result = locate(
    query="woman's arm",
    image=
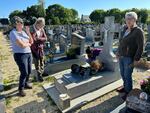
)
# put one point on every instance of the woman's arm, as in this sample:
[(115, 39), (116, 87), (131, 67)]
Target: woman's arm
[(29, 34), (22, 44)]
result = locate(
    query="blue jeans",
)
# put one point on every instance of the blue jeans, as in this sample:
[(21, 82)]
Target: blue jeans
[(24, 62), (126, 71)]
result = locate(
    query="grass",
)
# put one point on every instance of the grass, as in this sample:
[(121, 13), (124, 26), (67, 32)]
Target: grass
[(8, 81), (8, 101), (50, 79)]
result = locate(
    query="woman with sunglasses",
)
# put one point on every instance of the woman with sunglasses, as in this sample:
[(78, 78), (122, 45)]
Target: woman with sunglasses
[(21, 42)]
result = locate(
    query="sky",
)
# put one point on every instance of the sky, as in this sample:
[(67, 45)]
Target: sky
[(82, 6)]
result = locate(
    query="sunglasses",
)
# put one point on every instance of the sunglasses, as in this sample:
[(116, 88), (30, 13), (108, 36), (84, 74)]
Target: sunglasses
[(19, 22)]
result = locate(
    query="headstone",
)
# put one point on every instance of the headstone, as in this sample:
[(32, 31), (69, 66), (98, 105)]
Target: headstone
[(107, 55), (148, 28), (69, 31), (78, 41), (90, 35), (63, 43)]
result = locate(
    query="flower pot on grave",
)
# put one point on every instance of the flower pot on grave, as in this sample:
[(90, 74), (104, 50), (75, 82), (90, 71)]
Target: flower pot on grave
[(136, 103)]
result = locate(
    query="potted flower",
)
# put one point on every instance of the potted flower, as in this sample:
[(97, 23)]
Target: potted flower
[(145, 85)]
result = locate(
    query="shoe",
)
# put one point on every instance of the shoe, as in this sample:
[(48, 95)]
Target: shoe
[(121, 89), (28, 86), (124, 97), (44, 75), (21, 93)]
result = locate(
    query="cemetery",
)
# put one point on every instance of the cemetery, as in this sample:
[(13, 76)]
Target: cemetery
[(76, 79)]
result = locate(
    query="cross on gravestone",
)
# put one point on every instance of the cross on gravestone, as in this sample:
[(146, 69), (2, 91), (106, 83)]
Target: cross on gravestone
[(107, 55)]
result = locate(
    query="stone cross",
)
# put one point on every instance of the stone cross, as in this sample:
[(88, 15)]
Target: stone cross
[(107, 55)]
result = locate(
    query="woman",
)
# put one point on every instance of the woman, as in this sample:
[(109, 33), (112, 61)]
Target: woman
[(21, 42), (129, 51), (39, 38)]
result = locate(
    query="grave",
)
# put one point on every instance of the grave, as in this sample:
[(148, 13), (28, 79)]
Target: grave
[(90, 35), (148, 29), (61, 62), (70, 91), (2, 98)]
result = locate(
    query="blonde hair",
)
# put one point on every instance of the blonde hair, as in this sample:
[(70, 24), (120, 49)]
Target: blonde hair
[(40, 21)]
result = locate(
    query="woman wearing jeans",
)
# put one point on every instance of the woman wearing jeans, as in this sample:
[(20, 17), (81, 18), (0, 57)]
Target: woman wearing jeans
[(129, 51), (21, 42)]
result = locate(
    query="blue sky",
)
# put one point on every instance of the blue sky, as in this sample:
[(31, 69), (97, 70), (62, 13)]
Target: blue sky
[(82, 6)]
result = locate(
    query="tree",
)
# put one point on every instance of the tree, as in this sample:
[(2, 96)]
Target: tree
[(98, 16), (116, 13), (15, 13), (64, 15)]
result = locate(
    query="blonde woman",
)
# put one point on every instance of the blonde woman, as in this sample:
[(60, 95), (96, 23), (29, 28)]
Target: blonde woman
[(39, 38)]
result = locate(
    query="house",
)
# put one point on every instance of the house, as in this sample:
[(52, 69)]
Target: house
[(85, 18)]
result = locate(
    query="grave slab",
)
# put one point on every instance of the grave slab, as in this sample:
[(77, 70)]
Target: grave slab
[(82, 100)]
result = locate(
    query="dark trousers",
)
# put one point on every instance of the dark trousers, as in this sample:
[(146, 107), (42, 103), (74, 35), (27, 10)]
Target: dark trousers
[(24, 62), (39, 64), (126, 72)]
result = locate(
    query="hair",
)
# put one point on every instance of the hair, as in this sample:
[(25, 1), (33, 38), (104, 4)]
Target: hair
[(15, 20), (132, 15), (40, 20)]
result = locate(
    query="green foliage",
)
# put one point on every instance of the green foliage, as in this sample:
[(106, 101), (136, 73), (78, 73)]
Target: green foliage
[(60, 15), (57, 14), (71, 53), (98, 16)]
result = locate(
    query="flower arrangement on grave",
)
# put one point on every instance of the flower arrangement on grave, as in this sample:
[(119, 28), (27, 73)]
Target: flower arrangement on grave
[(145, 85)]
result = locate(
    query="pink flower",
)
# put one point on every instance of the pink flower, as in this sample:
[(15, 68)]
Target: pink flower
[(143, 82)]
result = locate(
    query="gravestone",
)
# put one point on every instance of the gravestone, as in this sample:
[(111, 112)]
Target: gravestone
[(69, 31), (148, 28), (78, 41), (107, 55), (63, 43), (90, 35)]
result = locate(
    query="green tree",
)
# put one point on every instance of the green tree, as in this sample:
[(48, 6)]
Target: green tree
[(64, 15), (116, 13), (15, 13), (98, 16)]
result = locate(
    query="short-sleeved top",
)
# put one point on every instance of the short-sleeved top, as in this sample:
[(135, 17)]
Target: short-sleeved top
[(14, 35)]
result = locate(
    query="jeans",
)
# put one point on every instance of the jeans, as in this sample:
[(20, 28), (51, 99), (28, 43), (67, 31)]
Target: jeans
[(126, 71), (24, 62)]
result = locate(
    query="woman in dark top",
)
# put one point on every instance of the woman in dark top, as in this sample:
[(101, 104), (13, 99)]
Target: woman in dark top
[(129, 51)]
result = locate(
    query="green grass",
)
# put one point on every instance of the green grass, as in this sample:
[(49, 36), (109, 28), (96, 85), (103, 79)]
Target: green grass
[(8, 101), (50, 79), (8, 81)]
